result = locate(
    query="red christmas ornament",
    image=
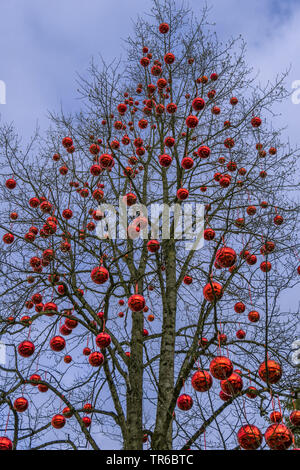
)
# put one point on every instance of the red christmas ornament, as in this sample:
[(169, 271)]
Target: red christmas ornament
[(221, 367), (253, 316), (35, 378), (187, 280), (21, 404), (153, 246), (274, 371), (265, 266), (86, 421), (192, 121), (252, 392), (165, 160), (295, 418), (129, 199), (240, 334), (182, 194), (232, 385), (278, 437), (187, 163), (249, 437), (164, 28), (5, 443), (10, 183), (276, 417), (57, 343), (256, 122), (209, 234), (96, 359), (99, 275), (203, 151), (58, 421), (202, 381), (240, 307), (213, 291), (226, 257), (26, 348), (136, 303), (184, 402), (198, 104), (103, 340)]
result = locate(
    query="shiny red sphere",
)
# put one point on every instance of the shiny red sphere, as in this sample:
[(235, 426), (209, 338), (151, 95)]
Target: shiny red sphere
[(5, 443), (26, 348), (58, 421), (278, 437), (99, 275), (21, 404), (57, 343), (232, 385), (249, 437), (96, 359), (202, 381), (213, 291), (103, 340), (184, 402), (136, 303), (221, 367), (274, 371)]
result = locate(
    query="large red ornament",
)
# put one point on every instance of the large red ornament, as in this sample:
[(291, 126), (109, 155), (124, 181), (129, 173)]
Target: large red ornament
[(165, 160), (226, 257), (26, 348), (10, 183), (221, 367), (274, 371), (278, 437), (182, 194), (213, 291), (256, 122), (58, 421), (164, 28), (232, 385), (136, 303), (192, 121), (276, 417), (184, 402), (204, 151), (202, 381), (249, 437), (99, 275), (198, 104), (57, 343), (21, 404)]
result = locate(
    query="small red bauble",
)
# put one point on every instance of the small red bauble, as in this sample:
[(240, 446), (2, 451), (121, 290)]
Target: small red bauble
[(184, 402), (58, 421), (164, 28), (274, 371), (256, 122), (201, 381), (187, 280), (182, 194), (251, 392), (165, 160), (35, 378), (198, 104), (10, 183), (192, 121), (240, 334), (203, 151), (86, 421), (136, 303), (26, 348), (86, 351), (129, 199), (239, 307), (221, 367), (249, 437), (209, 234), (278, 437), (187, 163), (153, 246), (276, 417)]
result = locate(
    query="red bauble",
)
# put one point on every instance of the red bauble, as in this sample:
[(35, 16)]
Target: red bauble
[(8, 238), (295, 418), (10, 183), (86, 421), (201, 381), (249, 437), (265, 266), (21, 404), (256, 122), (213, 291), (153, 246), (203, 151), (276, 417), (198, 104), (165, 160), (192, 121), (136, 303), (58, 421), (5, 443), (278, 220), (129, 199), (221, 367), (96, 359), (64, 330), (103, 340), (86, 351), (57, 343), (209, 234), (187, 163), (164, 28), (278, 437), (43, 388), (240, 334), (187, 280), (99, 275), (67, 412), (169, 58), (239, 307), (253, 316), (106, 160), (26, 348), (50, 308), (226, 257), (224, 396), (35, 378), (252, 392), (232, 385), (182, 194), (185, 402), (68, 359), (274, 371)]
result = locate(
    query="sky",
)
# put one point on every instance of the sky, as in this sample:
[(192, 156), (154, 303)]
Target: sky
[(44, 44)]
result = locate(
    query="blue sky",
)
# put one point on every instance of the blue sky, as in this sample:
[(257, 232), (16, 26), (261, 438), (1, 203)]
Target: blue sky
[(44, 44)]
